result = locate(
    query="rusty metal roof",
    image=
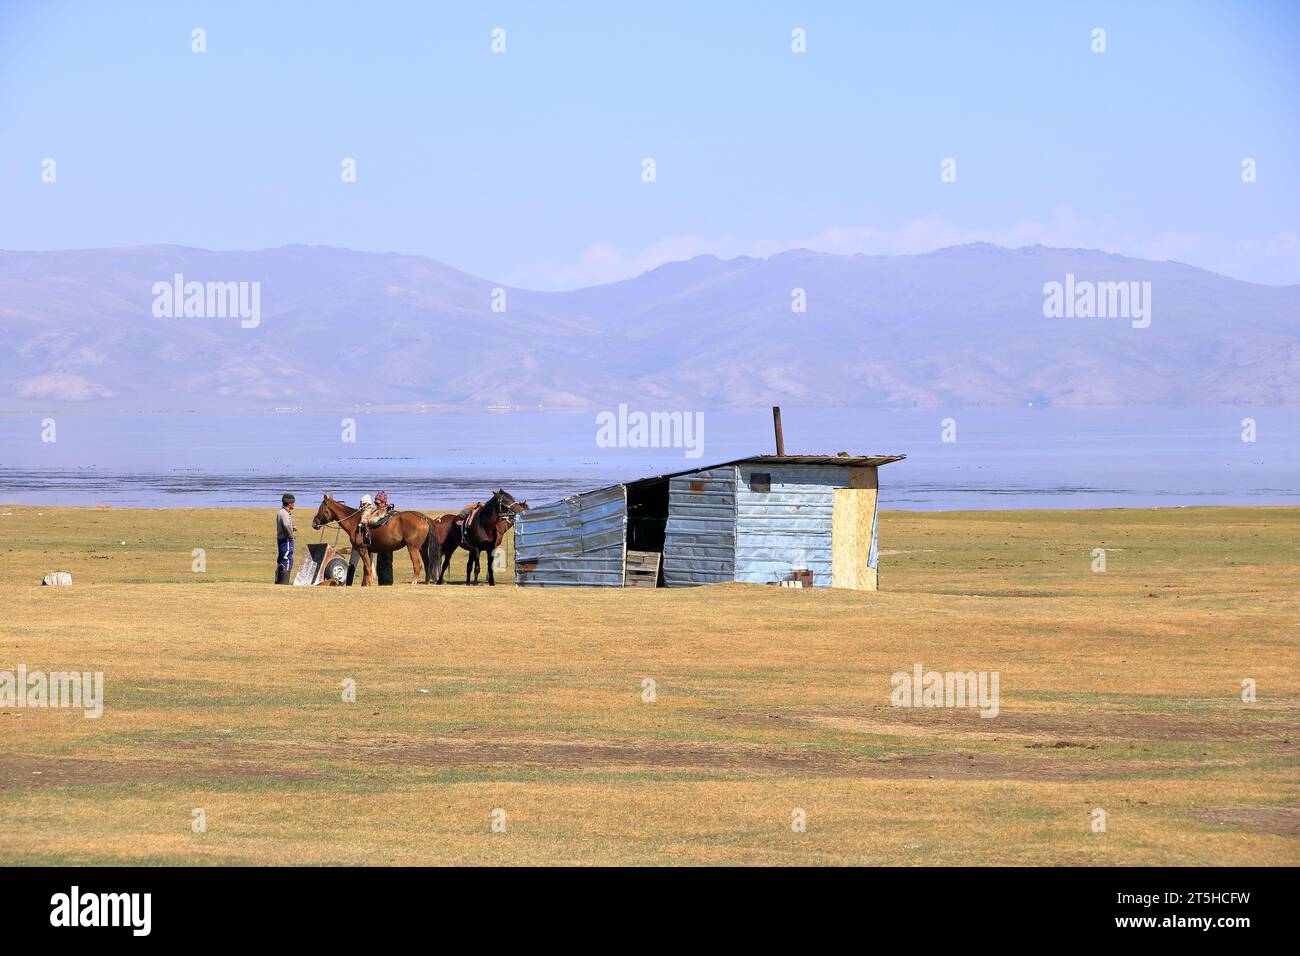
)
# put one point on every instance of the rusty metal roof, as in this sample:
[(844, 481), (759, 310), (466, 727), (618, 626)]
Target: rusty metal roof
[(856, 461), (847, 461)]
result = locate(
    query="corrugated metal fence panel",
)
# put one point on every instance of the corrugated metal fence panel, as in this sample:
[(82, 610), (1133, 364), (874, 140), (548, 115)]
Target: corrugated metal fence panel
[(575, 542), (788, 527), (548, 530), (603, 520), (700, 539)]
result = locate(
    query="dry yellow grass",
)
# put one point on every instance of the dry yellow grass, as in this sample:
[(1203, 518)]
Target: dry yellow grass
[(1119, 691)]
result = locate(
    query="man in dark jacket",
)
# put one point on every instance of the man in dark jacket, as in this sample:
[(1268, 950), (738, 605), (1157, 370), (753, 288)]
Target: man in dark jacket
[(284, 541)]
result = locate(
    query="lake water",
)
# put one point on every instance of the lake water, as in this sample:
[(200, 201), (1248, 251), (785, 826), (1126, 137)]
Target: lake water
[(1001, 458)]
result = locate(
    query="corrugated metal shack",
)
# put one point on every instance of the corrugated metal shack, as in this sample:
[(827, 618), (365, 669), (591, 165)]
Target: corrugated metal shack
[(759, 519)]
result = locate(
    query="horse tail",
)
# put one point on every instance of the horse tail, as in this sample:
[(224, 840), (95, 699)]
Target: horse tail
[(429, 550)]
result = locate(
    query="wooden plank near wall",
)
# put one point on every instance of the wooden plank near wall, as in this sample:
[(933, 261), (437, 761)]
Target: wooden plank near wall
[(641, 569), (854, 513)]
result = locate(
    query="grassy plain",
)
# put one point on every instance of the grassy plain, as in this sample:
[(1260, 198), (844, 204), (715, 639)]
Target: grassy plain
[(1120, 691)]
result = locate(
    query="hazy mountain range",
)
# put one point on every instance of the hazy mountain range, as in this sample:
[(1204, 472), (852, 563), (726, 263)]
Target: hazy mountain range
[(961, 326)]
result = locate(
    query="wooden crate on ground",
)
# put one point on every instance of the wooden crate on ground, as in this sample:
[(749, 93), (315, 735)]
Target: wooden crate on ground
[(641, 569)]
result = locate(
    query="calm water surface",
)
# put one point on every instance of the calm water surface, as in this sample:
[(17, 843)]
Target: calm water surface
[(1001, 458)]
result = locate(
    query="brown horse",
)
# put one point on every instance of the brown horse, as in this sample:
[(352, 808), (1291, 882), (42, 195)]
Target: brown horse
[(477, 528), (403, 528)]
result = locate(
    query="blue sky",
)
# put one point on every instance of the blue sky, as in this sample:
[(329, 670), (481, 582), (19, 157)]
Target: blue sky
[(525, 166)]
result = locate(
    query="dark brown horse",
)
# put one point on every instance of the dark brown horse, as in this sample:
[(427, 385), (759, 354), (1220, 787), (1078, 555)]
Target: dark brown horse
[(408, 529), (477, 528)]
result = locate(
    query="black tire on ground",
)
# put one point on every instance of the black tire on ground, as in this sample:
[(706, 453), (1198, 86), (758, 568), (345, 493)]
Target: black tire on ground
[(337, 570)]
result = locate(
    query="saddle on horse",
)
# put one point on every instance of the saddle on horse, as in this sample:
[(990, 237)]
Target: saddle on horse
[(466, 517)]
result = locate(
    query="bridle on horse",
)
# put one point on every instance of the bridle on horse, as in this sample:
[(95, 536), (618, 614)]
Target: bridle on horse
[(338, 521), (504, 510)]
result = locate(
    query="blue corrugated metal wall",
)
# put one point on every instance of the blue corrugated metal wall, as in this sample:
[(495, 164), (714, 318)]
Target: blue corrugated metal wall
[(575, 542), (700, 541), (788, 527), (719, 529)]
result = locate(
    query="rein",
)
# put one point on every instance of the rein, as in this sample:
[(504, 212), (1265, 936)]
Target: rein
[(339, 522)]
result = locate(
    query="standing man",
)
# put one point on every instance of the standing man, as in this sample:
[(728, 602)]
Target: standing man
[(284, 541)]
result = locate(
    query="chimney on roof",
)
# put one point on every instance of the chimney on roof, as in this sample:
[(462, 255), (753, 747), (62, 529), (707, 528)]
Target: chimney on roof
[(780, 436)]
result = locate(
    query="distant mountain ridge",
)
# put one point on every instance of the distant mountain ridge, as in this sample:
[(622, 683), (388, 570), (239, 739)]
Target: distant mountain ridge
[(957, 327)]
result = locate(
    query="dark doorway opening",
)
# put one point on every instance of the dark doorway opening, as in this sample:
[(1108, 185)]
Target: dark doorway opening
[(647, 525), (647, 515)]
